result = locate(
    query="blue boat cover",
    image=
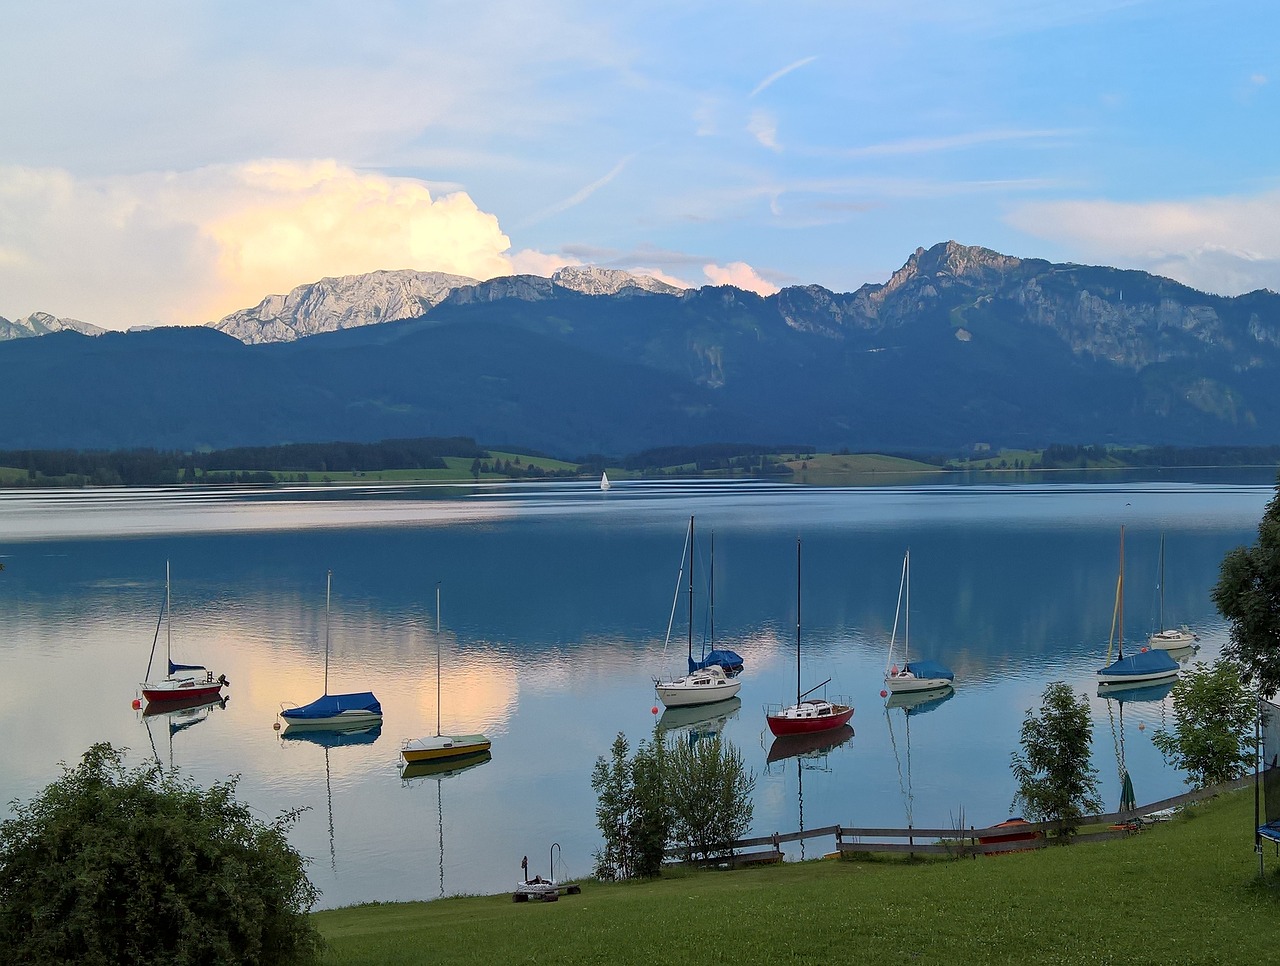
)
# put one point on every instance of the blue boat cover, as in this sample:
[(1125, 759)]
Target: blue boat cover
[(930, 669), (1144, 662), (731, 661), (186, 667), (334, 704)]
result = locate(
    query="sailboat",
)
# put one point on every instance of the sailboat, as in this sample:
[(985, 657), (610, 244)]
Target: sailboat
[(604, 480), (183, 682), (353, 710), (703, 684), (1169, 638), (807, 715), (440, 747), (916, 675), (1145, 667)]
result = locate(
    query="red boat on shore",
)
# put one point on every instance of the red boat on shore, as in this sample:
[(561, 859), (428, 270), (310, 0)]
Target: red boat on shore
[(808, 715)]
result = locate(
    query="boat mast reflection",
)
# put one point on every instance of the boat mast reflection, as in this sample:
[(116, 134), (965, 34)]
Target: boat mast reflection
[(811, 753), (413, 773), (178, 716), (365, 735)]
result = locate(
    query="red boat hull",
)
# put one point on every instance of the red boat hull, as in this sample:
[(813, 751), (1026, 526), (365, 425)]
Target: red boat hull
[(176, 695), (781, 725)]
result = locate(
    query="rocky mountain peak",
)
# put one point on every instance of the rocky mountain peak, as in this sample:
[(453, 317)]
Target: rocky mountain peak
[(345, 302), (590, 280), (42, 323)]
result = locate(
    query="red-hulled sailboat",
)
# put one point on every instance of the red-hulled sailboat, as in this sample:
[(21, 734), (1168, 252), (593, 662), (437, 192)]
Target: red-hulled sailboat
[(183, 682), (808, 715)]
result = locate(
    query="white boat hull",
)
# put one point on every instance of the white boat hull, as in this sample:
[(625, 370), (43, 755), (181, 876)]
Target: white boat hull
[(344, 720), (696, 689), (1173, 639), (907, 683), (1126, 680)]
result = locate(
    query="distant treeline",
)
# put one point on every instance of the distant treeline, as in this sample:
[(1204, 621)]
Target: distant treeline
[(713, 456), (259, 464), (1059, 456), (255, 464)]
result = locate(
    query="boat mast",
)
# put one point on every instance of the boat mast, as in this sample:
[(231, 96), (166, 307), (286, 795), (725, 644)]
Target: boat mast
[(437, 659), (906, 625), (168, 626), (328, 584), (711, 594), (798, 621), (690, 591), (1120, 599), (1160, 581)]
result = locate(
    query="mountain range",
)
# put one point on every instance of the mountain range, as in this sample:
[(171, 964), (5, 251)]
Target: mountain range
[(960, 346)]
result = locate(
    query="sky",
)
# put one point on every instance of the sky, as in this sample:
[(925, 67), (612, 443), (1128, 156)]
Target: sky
[(171, 163)]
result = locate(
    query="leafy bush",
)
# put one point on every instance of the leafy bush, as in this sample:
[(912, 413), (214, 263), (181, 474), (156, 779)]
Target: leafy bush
[(111, 865), (709, 791), (1056, 783), (631, 809)]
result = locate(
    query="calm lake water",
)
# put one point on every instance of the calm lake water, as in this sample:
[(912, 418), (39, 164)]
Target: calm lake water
[(555, 605)]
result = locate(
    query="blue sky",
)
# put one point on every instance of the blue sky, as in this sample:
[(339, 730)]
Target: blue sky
[(175, 162)]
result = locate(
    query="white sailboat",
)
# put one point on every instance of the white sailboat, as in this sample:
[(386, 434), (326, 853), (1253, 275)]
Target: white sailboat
[(1169, 638), (911, 675), (604, 481), (701, 685), (440, 747)]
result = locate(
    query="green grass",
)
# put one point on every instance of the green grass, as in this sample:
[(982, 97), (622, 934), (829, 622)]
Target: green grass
[(835, 469), (1183, 892)]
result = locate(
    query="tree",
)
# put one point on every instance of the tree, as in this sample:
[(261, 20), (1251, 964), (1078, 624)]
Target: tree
[(1212, 739), (710, 791), (1056, 782), (631, 809), (111, 865), (1248, 596)]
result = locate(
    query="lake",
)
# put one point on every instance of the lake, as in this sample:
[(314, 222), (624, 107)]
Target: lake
[(556, 600)]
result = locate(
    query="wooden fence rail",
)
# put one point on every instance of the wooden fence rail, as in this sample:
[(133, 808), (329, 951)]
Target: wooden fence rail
[(955, 842)]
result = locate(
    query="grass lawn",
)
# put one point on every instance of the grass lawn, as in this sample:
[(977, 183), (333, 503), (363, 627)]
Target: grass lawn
[(1182, 892)]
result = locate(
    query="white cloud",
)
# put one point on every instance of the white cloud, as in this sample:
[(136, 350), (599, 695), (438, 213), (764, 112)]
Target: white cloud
[(763, 126), (777, 74), (740, 275), (189, 247), (1224, 245)]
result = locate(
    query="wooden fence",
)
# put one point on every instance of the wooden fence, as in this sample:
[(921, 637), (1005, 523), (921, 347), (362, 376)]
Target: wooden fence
[(952, 842)]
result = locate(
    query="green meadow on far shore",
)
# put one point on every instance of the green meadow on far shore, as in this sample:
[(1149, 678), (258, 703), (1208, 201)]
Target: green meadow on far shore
[(1185, 891)]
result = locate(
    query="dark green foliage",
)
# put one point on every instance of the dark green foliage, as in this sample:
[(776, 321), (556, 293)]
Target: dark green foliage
[(1248, 596), (1213, 734), (111, 865), (1056, 783), (709, 791), (631, 809)]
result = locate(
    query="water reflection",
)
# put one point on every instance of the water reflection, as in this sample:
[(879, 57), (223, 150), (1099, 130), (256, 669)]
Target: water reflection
[(428, 772), (558, 600), (701, 720)]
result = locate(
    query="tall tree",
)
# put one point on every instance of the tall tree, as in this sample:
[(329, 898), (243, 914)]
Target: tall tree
[(1212, 739), (1056, 782), (1248, 596)]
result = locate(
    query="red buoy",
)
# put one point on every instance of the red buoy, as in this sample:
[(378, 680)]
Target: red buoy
[(137, 703), (884, 694), (654, 709)]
